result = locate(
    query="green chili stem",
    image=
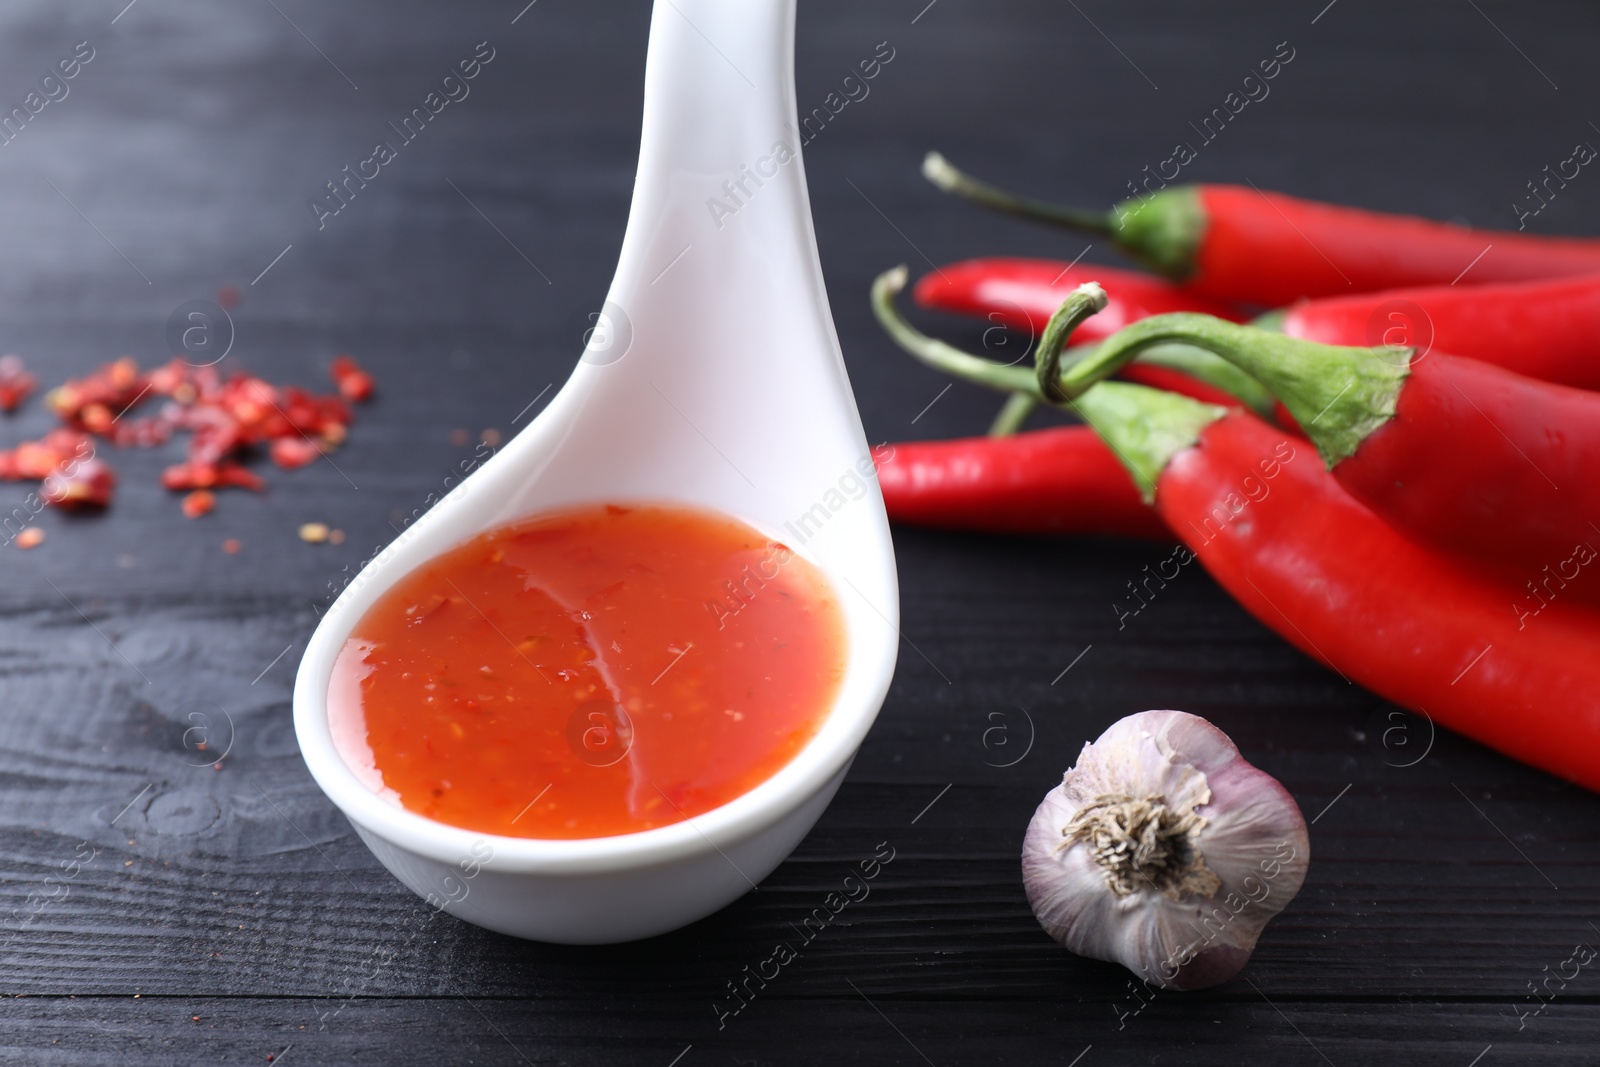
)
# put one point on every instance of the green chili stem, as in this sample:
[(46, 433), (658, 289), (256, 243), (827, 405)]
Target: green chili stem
[(1009, 419), (1121, 348), (1082, 302), (936, 353), (1023, 384), (1338, 394), (1208, 367), (942, 173), (1271, 320), (1145, 427)]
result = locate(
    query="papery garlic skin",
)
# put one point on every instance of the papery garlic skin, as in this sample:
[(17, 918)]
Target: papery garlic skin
[(1229, 852)]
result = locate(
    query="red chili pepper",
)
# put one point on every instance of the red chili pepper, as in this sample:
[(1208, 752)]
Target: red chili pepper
[(1545, 329), (16, 384), (1424, 629), (1335, 580), (1238, 243), (1457, 452), (1022, 294), (1062, 480)]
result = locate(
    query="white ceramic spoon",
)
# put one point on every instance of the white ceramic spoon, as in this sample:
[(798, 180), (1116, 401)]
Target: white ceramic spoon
[(714, 378)]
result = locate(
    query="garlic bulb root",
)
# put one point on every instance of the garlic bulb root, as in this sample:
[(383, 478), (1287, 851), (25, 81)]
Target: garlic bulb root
[(1143, 842), (1164, 850)]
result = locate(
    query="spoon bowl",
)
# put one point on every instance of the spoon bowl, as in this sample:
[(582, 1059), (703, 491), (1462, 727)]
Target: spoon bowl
[(713, 378)]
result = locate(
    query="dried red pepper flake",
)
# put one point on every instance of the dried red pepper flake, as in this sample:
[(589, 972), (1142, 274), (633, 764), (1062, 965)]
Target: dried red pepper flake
[(166, 381), (16, 384), (82, 483), (189, 476), (300, 414), (65, 400), (231, 546), (96, 418), (333, 409), (220, 475), (141, 433), (237, 476), (354, 384), (254, 405), (93, 402), (291, 453), (35, 460), (228, 297), (123, 373), (226, 418), (30, 537), (13, 396), (199, 502)]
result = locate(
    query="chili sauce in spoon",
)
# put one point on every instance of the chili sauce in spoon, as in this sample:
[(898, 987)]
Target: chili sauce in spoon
[(589, 672)]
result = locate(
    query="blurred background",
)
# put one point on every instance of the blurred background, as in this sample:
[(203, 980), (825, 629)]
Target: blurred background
[(237, 904)]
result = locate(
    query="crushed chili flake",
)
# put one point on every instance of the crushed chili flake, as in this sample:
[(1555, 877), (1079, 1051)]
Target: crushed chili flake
[(199, 502), (293, 452), (314, 533), (459, 437), (231, 546), (354, 383), (193, 475), (16, 384), (228, 419), (100, 397), (490, 437), (336, 537), (140, 433), (30, 537), (34, 461), (86, 483), (228, 298)]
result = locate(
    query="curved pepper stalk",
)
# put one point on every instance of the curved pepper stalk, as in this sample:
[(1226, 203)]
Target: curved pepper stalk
[(1191, 360)]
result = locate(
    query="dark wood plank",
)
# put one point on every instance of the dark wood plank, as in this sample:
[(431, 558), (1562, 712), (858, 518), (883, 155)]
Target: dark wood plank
[(1207, 1031)]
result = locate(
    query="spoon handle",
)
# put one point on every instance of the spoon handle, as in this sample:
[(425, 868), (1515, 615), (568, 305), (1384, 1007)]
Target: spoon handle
[(719, 236)]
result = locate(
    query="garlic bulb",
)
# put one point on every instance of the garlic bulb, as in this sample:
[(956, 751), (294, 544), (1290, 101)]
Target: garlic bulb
[(1163, 850)]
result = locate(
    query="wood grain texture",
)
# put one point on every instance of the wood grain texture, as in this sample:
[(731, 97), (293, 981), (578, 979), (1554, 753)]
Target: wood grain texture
[(141, 886)]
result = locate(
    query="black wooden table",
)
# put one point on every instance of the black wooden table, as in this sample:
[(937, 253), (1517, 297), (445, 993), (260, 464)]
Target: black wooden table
[(159, 909)]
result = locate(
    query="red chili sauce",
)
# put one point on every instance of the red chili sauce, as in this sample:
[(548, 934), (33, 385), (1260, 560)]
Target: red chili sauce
[(589, 672)]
